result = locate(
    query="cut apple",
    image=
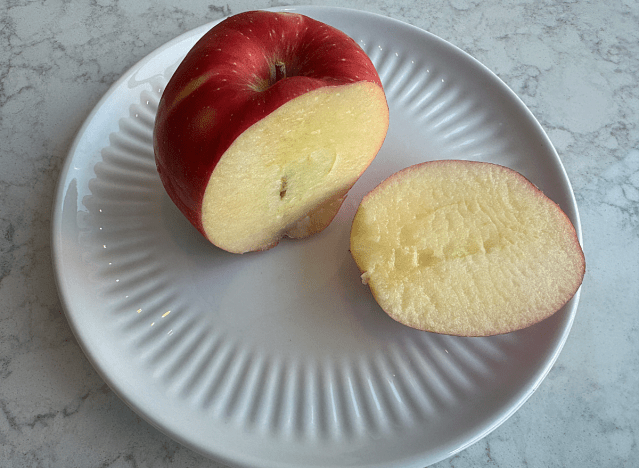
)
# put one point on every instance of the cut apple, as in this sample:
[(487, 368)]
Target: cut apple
[(465, 248), (265, 126)]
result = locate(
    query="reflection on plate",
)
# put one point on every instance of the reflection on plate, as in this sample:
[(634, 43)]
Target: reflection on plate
[(282, 358)]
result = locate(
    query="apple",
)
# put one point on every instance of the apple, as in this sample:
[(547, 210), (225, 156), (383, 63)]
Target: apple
[(465, 248), (265, 126)]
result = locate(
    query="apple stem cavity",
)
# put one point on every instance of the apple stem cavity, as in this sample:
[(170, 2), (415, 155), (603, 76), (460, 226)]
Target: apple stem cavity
[(280, 71)]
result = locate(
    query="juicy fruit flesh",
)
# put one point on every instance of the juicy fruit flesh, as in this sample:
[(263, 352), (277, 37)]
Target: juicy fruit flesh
[(303, 157), (465, 248)]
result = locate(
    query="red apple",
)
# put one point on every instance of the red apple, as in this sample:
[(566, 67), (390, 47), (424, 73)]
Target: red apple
[(265, 126)]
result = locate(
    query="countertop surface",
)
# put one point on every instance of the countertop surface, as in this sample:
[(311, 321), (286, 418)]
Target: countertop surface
[(574, 64)]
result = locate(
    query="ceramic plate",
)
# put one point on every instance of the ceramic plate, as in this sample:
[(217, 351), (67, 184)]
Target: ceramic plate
[(282, 358)]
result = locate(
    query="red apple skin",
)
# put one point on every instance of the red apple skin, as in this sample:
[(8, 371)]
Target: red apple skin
[(229, 81)]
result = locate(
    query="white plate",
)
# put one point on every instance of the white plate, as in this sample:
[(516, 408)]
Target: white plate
[(282, 358)]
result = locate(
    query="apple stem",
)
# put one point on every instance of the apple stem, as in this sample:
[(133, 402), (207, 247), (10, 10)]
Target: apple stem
[(280, 71)]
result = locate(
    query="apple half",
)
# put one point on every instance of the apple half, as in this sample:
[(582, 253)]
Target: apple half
[(265, 126), (465, 248)]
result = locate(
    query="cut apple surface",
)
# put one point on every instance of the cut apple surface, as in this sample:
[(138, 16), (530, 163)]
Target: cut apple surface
[(465, 248), (265, 126), (294, 166)]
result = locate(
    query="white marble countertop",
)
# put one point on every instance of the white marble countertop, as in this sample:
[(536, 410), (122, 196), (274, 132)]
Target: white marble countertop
[(575, 64)]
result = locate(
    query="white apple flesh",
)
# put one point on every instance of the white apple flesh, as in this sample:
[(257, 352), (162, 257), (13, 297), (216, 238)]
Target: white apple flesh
[(265, 126), (465, 248)]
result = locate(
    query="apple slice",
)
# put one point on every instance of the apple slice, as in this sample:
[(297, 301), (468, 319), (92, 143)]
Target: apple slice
[(265, 126), (465, 248)]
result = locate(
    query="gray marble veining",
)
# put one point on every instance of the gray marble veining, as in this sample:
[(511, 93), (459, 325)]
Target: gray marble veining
[(574, 64)]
